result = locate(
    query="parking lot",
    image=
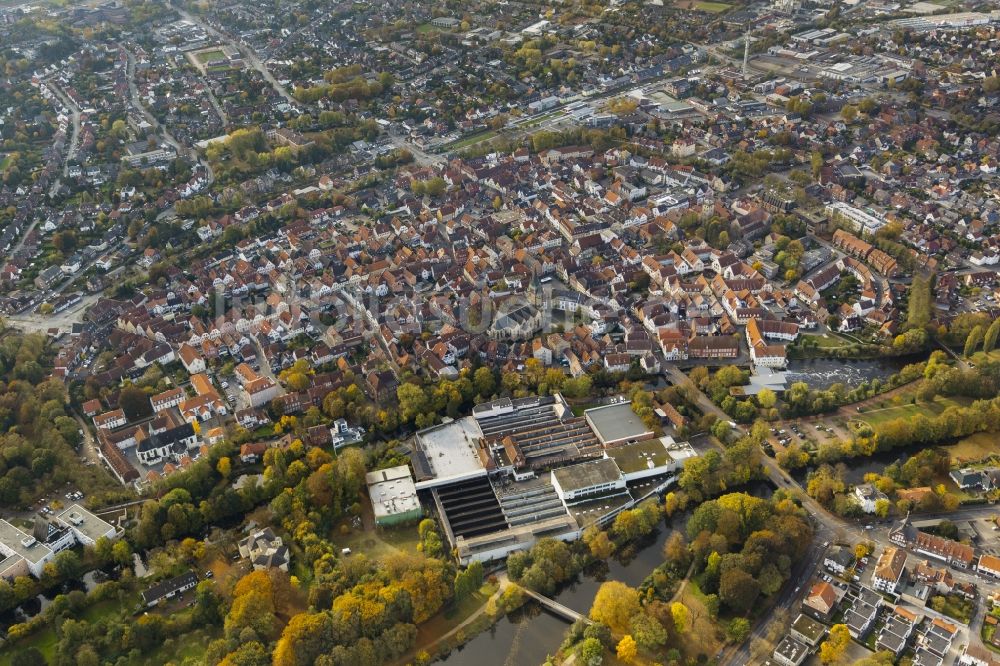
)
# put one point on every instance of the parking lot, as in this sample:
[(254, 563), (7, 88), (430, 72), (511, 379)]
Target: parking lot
[(46, 507)]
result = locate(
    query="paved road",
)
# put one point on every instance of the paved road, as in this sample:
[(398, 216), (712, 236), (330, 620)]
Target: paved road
[(248, 55), (74, 140), (20, 242), (32, 322), (529, 125), (214, 101), (829, 528), (162, 131), (89, 446), (420, 156)]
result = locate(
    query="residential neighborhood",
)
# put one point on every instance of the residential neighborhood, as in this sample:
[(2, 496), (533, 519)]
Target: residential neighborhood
[(500, 332)]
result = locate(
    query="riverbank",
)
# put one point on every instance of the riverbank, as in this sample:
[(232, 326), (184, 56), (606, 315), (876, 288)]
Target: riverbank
[(530, 634)]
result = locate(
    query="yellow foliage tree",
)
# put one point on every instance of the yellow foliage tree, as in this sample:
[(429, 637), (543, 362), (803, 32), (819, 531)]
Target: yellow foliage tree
[(627, 649), (615, 605), (682, 617), (834, 648)]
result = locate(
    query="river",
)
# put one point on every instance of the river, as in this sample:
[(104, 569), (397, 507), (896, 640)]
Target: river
[(822, 373), (531, 634)]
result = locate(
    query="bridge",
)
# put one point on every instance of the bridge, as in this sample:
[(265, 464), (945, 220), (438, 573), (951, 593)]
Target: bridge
[(557, 607)]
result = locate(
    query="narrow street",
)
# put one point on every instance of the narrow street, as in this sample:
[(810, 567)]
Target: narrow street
[(420, 156), (20, 242), (74, 140), (31, 322), (151, 119), (218, 107), (89, 446), (829, 528), (247, 54)]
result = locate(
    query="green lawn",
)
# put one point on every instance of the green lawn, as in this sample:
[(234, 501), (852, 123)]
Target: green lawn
[(427, 28), (972, 448), (190, 646), (822, 341), (470, 140), (107, 608), (380, 542), (879, 415), (578, 410), (208, 56), (43, 641), (713, 7), (982, 357)]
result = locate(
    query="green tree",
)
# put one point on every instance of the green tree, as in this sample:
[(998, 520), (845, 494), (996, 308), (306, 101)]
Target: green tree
[(412, 401), (134, 402), (990, 339), (738, 630), (590, 652), (648, 632), (816, 162), (121, 552), (918, 311), (974, 340), (484, 382)]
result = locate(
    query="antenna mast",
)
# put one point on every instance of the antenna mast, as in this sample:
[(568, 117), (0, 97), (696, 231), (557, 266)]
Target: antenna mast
[(746, 53)]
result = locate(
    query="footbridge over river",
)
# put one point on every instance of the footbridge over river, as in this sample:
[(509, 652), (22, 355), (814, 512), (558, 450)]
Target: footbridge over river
[(557, 607)]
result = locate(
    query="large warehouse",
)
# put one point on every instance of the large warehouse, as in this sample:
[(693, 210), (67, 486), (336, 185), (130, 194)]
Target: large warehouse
[(518, 470)]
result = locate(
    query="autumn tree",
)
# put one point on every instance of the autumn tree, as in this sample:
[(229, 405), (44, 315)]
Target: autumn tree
[(252, 607), (305, 638), (834, 648), (766, 398), (615, 604), (676, 552), (627, 649), (738, 590), (681, 616), (599, 543)]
